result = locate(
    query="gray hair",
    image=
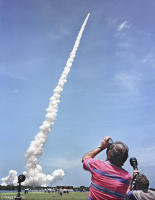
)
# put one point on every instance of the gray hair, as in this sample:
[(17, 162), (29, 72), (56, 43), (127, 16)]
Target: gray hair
[(118, 153)]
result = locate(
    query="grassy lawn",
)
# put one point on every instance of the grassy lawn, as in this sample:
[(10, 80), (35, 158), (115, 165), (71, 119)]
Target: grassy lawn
[(47, 196)]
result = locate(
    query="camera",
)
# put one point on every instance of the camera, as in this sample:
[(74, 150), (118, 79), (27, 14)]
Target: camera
[(109, 143), (134, 164)]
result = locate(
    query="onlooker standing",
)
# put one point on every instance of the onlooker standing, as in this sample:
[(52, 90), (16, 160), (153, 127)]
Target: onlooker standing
[(141, 189), (109, 180)]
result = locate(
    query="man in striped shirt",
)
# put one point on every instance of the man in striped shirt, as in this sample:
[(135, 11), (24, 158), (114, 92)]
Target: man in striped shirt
[(109, 180)]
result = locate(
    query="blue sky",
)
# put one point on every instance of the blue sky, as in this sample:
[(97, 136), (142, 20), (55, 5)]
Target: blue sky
[(110, 89)]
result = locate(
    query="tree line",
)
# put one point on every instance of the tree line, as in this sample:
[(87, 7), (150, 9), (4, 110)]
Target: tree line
[(11, 187)]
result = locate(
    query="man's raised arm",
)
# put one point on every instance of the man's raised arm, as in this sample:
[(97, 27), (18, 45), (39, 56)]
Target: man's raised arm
[(96, 151)]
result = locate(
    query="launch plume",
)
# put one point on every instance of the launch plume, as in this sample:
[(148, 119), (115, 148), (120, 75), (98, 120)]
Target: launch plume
[(34, 173), (11, 179)]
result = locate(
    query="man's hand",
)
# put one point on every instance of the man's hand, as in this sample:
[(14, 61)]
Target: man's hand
[(104, 142), (96, 151), (135, 172)]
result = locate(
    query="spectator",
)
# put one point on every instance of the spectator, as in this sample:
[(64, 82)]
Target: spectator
[(60, 192), (141, 189), (108, 179)]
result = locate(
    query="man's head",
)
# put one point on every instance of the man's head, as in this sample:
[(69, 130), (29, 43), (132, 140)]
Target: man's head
[(118, 153), (142, 183)]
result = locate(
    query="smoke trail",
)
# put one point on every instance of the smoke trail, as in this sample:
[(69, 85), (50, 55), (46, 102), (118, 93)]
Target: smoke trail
[(36, 147), (34, 174)]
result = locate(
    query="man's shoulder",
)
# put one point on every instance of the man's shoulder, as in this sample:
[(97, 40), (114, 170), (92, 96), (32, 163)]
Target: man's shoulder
[(150, 194), (88, 163), (94, 162)]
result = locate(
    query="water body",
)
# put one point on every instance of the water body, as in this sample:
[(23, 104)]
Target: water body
[(9, 191)]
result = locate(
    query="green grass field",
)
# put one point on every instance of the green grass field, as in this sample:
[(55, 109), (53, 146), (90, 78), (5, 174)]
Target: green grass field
[(46, 196)]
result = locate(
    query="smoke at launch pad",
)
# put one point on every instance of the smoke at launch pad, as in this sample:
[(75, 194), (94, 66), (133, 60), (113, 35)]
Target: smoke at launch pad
[(34, 174)]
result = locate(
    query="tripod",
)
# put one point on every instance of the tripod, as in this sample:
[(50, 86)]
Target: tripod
[(21, 178)]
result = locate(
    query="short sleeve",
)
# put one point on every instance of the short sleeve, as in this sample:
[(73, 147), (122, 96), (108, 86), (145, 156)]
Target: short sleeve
[(86, 163), (89, 163)]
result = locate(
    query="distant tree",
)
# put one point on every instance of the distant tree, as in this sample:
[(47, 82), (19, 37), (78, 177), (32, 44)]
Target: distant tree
[(83, 188)]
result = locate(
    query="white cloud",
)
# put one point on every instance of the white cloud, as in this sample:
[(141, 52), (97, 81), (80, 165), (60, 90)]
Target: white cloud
[(129, 81), (123, 25), (115, 23)]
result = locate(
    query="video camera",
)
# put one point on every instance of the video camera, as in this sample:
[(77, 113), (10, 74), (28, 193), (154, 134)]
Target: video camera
[(134, 164)]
